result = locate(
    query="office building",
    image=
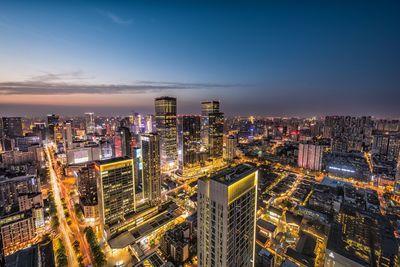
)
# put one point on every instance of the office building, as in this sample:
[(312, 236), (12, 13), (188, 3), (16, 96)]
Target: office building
[(189, 142), (151, 175), (310, 156), (12, 126), (165, 108), (226, 217), (89, 123), (115, 190), (212, 128)]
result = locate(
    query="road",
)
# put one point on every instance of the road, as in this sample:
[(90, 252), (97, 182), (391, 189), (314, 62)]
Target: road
[(63, 228), (75, 227)]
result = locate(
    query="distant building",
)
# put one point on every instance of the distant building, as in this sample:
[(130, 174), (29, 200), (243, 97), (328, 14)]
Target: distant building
[(125, 138), (386, 144), (116, 190), (68, 134), (310, 156), (12, 126), (212, 128), (230, 147), (226, 217), (151, 174), (188, 142), (52, 122), (150, 124), (349, 133), (165, 108), (89, 123)]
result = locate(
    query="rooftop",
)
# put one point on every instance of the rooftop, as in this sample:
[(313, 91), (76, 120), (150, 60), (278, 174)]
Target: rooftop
[(231, 175), (112, 160)]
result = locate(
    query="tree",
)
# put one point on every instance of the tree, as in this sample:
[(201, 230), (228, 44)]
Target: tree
[(55, 222), (98, 254), (78, 211), (61, 257)]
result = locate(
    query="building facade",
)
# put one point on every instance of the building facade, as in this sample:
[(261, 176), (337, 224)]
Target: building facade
[(212, 124), (165, 108), (89, 123), (226, 217), (151, 174), (116, 190), (189, 142), (310, 156)]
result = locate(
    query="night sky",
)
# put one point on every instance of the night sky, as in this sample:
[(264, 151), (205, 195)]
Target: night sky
[(274, 58)]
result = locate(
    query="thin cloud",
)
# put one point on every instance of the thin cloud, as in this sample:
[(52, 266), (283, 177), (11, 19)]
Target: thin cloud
[(63, 88), (115, 18), (60, 77)]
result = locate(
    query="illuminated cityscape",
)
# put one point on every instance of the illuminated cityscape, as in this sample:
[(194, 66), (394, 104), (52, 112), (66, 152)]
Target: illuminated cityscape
[(199, 134)]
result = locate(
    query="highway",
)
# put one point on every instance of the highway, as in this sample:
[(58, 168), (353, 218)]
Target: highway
[(63, 228)]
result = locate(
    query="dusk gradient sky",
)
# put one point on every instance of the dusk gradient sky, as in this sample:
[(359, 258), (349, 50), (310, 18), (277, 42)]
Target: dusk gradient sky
[(285, 58)]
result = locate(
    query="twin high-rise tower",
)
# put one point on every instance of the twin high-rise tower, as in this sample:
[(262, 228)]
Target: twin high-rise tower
[(211, 129)]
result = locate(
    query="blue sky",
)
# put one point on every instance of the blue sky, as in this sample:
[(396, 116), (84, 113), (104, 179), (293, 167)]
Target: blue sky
[(267, 58)]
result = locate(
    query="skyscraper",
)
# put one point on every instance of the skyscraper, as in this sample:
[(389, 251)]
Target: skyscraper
[(89, 123), (188, 141), (68, 135), (166, 128), (212, 128), (226, 217), (149, 127), (52, 122), (116, 191), (125, 136), (87, 184), (151, 174), (310, 156)]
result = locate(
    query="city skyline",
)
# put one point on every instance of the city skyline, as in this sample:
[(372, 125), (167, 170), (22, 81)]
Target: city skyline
[(199, 133), (272, 59)]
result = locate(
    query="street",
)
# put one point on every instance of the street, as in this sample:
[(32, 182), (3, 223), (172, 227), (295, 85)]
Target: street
[(63, 228)]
